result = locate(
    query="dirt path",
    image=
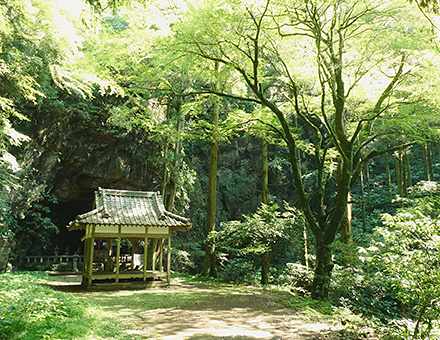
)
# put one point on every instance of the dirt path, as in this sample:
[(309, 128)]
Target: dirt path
[(196, 311)]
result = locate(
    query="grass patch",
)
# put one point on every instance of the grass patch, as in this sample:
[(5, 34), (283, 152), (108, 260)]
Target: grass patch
[(141, 300), (310, 307), (32, 311)]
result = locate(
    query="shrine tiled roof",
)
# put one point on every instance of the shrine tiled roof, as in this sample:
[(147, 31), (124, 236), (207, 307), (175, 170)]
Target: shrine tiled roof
[(123, 207)]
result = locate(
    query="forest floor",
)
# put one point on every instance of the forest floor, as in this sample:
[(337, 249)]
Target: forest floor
[(212, 311)]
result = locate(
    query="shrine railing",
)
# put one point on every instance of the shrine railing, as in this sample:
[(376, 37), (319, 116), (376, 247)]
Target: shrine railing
[(54, 258)]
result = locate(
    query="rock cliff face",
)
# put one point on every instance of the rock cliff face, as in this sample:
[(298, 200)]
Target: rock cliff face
[(75, 150), (114, 162)]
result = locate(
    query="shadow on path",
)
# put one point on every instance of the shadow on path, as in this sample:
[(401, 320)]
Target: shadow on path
[(197, 311)]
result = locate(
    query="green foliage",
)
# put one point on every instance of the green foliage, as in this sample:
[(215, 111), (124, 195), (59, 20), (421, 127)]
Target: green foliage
[(259, 237), (240, 269), (409, 255), (31, 311), (364, 291), (297, 276), (7, 221), (265, 231), (33, 227), (181, 261)]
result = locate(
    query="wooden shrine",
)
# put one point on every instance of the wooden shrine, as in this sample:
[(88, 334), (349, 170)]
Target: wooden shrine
[(126, 237)]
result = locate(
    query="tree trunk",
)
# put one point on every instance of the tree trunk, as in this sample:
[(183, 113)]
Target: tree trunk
[(407, 162), (5, 249), (266, 259), (388, 173), (323, 269), (346, 226), (399, 174), (404, 175), (164, 170), (172, 191), (437, 151), (171, 197), (163, 187), (426, 162), (430, 161), (304, 256), (368, 193), (264, 173), (150, 252), (364, 214), (209, 267)]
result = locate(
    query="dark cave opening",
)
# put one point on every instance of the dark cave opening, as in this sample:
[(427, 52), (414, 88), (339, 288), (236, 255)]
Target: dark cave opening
[(69, 242)]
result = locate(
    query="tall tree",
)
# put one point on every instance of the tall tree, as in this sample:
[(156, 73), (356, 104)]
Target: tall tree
[(209, 267), (264, 172)]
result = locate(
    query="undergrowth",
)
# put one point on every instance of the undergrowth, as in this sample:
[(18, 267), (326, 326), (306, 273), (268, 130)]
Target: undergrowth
[(31, 311)]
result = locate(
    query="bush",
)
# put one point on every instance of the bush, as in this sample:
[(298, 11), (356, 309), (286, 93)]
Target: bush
[(297, 276), (261, 236), (365, 292), (182, 262), (240, 270), (408, 254)]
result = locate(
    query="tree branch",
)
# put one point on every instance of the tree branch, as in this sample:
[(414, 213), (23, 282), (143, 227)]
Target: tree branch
[(385, 94), (373, 154)]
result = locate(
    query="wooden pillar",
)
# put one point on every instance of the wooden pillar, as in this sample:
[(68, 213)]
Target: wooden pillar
[(132, 254), (169, 258), (154, 254), (162, 241), (108, 265), (118, 255), (91, 254), (86, 262), (145, 253)]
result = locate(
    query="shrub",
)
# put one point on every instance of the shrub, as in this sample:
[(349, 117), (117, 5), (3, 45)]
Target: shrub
[(261, 236), (366, 292), (297, 276), (409, 255), (181, 261), (240, 270)]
